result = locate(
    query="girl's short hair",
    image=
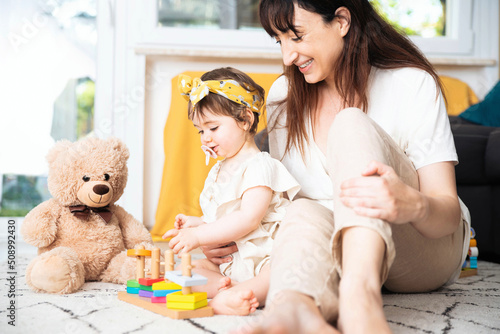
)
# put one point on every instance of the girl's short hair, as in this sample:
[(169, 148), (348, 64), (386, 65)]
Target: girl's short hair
[(220, 105)]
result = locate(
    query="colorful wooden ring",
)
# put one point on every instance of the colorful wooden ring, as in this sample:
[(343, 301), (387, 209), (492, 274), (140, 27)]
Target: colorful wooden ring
[(138, 252)]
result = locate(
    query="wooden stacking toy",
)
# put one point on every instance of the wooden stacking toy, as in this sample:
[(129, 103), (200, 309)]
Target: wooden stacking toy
[(169, 295)]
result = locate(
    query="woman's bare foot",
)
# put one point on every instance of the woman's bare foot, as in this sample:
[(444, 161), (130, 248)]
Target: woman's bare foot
[(234, 302), (289, 312), (361, 308)]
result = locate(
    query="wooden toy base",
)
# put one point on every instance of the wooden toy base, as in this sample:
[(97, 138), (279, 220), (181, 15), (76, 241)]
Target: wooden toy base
[(162, 309), (468, 272)]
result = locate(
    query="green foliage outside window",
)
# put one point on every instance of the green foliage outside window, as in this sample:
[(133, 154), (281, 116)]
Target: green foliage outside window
[(426, 18), (85, 92)]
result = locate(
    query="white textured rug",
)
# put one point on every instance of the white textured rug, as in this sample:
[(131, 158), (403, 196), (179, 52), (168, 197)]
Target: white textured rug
[(472, 305)]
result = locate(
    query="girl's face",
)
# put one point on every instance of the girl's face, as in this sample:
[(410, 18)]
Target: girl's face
[(317, 46), (223, 134)]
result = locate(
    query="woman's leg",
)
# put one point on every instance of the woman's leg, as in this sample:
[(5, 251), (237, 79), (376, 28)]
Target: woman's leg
[(360, 298), (364, 249), (303, 282)]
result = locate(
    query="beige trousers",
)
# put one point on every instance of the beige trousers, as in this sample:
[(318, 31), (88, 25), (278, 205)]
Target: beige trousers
[(307, 252)]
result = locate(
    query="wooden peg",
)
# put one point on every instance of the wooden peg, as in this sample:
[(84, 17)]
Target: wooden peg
[(169, 260), (186, 271), (155, 263)]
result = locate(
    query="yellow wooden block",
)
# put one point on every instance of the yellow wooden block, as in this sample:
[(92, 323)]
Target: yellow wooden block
[(186, 305), (190, 298), (166, 286)]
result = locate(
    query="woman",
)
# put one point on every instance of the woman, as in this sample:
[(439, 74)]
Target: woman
[(359, 120)]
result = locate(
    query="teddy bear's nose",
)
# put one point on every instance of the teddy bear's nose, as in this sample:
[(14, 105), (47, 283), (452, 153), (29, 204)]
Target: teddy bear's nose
[(101, 189)]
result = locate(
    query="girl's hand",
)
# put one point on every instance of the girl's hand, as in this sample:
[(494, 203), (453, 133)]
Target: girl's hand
[(183, 221), (380, 193), (220, 254), (183, 240)]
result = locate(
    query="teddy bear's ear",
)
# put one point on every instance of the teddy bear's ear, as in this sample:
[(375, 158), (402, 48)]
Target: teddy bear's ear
[(60, 146), (119, 146)]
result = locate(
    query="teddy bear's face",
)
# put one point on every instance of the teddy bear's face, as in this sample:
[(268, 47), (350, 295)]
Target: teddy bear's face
[(96, 193), (90, 171)]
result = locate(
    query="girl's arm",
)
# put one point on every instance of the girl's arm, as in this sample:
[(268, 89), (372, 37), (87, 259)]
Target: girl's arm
[(254, 204), (434, 210)]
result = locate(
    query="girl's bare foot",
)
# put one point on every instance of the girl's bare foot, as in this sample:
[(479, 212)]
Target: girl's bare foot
[(234, 302), (361, 308), (225, 283), (289, 312)]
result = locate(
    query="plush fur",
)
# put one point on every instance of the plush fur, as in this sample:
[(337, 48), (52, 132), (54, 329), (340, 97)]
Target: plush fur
[(71, 249)]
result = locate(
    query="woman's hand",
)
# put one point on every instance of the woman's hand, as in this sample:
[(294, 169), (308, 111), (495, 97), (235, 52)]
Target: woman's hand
[(220, 254), (380, 193)]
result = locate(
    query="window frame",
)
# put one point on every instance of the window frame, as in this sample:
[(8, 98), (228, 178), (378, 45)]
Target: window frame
[(459, 42), (152, 34)]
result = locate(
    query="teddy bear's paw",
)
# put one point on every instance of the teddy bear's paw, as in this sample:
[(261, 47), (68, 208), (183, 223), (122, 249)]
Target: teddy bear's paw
[(57, 271), (120, 269)]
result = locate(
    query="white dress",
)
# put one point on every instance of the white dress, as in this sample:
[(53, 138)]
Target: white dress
[(224, 196)]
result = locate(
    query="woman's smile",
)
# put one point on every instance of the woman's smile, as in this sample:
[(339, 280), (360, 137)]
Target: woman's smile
[(306, 66)]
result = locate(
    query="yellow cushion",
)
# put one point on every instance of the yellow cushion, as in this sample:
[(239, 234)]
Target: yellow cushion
[(184, 169), (458, 94)]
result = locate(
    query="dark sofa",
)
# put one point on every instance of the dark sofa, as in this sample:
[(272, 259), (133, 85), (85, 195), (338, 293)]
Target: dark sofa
[(478, 181)]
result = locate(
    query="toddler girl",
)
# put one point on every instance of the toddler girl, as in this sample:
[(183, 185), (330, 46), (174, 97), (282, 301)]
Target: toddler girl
[(242, 200)]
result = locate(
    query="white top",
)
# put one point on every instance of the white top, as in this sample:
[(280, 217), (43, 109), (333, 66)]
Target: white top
[(420, 126), (403, 102), (224, 196)]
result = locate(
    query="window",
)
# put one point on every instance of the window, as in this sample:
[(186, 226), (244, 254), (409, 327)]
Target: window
[(424, 18), (211, 14), (49, 86), (438, 27)]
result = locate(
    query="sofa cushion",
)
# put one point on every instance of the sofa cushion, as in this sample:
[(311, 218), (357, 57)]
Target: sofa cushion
[(487, 112), (459, 96), (492, 157), (477, 154)]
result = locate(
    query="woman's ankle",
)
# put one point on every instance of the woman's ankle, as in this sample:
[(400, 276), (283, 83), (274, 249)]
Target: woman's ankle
[(356, 282)]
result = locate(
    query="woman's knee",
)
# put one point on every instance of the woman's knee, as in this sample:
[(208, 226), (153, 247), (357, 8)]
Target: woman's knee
[(347, 120), (308, 215)]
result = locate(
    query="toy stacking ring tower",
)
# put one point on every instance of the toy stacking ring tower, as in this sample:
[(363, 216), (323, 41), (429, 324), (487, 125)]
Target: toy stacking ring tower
[(170, 295)]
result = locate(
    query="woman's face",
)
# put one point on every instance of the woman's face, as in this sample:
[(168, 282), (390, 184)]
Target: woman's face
[(316, 47)]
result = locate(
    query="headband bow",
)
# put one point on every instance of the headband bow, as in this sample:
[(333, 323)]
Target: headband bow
[(195, 90)]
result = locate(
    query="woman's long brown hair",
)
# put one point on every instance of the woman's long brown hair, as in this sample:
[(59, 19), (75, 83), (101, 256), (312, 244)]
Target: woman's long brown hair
[(371, 41)]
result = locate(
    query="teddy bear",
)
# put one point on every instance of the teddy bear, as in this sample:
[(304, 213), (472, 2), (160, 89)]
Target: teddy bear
[(81, 234)]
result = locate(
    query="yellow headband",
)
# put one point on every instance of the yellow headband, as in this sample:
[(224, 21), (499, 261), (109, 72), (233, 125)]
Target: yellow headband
[(195, 90)]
